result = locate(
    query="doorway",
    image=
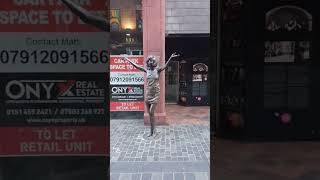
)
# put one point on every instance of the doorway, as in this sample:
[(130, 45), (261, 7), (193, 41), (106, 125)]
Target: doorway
[(172, 83)]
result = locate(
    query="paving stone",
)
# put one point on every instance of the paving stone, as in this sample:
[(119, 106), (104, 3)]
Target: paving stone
[(136, 176), (146, 176), (156, 176), (114, 176), (178, 176), (168, 176), (201, 176), (189, 176), (125, 176)]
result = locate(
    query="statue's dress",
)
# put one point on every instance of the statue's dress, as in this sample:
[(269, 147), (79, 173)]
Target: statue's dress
[(153, 88)]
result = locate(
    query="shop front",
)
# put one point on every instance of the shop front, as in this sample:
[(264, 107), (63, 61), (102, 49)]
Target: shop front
[(135, 33), (187, 78), (269, 69)]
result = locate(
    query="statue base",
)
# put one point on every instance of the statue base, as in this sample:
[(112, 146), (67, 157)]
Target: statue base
[(156, 136)]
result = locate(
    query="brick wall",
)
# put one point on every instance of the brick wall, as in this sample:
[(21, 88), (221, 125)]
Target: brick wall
[(187, 16)]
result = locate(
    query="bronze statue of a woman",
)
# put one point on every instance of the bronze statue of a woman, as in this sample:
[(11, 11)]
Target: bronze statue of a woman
[(153, 87)]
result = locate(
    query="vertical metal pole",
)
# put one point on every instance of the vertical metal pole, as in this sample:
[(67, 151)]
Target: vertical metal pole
[(218, 66)]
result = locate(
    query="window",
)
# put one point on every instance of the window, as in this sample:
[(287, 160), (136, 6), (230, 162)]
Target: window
[(115, 20), (200, 78), (286, 77), (126, 27), (288, 19), (126, 84)]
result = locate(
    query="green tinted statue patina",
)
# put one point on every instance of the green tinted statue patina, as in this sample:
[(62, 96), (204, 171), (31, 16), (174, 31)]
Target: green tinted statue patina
[(153, 87)]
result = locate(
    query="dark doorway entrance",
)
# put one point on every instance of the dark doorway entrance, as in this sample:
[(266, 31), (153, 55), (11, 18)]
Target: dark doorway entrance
[(172, 83)]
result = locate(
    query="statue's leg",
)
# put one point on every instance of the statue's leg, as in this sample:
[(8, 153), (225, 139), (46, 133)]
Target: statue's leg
[(148, 106), (152, 110)]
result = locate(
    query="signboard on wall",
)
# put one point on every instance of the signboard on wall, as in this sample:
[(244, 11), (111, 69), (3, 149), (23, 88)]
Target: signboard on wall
[(53, 80), (48, 141), (53, 99), (126, 84), (44, 36)]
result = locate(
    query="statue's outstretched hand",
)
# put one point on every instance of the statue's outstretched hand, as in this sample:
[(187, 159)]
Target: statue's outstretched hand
[(175, 55)]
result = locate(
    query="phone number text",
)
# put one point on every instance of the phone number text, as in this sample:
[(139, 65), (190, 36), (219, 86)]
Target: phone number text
[(126, 79), (53, 57)]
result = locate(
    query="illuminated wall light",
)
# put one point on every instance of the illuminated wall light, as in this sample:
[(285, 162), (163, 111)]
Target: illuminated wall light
[(128, 31), (127, 24), (128, 19)]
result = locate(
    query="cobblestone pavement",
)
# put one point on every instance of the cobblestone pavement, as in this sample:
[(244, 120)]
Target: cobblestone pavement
[(178, 152), (173, 143)]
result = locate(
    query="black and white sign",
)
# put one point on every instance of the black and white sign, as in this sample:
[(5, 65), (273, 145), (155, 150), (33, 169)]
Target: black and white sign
[(127, 93), (54, 99)]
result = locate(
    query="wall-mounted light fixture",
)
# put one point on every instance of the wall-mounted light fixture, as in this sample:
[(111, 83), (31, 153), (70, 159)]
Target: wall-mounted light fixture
[(128, 32)]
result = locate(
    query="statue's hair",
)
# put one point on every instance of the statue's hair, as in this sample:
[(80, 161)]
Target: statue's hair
[(153, 58)]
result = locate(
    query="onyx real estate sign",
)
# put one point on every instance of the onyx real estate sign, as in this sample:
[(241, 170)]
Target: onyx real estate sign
[(54, 80), (126, 84)]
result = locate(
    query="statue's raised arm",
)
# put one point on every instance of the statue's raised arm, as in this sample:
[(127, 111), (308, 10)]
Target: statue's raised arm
[(135, 65), (87, 17), (165, 66)]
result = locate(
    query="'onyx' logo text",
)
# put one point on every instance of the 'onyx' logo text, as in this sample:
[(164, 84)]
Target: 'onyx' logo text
[(29, 89)]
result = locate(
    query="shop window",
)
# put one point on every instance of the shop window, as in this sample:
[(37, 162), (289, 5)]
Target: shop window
[(115, 20), (200, 77), (288, 19), (286, 86), (286, 77), (200, 67), (126, 27), (286, 51)]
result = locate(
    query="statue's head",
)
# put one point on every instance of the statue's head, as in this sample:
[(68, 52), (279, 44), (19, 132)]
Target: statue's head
[(152, 62)]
